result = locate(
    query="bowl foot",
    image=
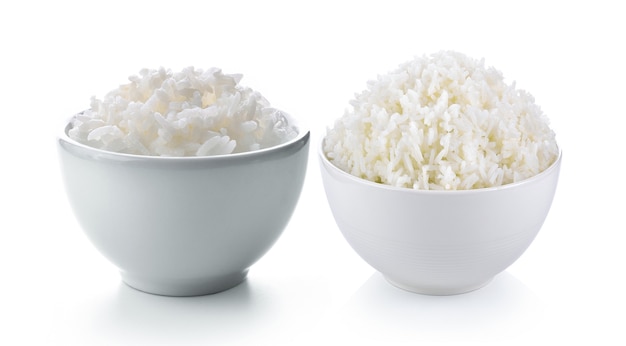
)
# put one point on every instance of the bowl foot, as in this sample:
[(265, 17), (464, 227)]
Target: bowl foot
[(438, 290), (184, 287)]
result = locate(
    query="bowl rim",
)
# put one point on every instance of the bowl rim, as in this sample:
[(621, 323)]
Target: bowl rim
[(336, 170), (65, 140)]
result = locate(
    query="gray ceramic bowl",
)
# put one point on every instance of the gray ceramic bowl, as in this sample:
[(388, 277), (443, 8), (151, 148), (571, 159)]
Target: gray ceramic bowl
[(183, 226)]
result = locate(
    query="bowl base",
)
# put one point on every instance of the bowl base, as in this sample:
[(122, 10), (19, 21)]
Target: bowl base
[(184, 288), (438, 290)]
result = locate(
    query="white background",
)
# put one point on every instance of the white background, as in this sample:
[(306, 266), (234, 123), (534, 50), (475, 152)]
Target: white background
[(309, 58)]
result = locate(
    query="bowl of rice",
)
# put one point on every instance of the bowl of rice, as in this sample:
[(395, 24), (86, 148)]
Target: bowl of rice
[(441, 174), (183, 180)]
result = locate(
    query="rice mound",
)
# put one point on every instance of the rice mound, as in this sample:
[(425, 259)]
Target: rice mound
[(188, 113), (442, 122)]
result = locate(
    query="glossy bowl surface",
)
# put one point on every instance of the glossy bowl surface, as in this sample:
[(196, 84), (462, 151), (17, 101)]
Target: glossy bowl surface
[(183, 226), (438, 242)]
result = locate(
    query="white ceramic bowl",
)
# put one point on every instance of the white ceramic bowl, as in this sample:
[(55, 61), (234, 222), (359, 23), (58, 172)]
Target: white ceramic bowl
[(438, 242), (183, 226)]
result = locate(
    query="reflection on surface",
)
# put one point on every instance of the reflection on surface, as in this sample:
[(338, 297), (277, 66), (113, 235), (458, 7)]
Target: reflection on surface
[(379, 311), (134, 316), (277, 311)]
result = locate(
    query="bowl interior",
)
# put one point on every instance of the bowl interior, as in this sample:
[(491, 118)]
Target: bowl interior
[(70, 144), (324, 161)]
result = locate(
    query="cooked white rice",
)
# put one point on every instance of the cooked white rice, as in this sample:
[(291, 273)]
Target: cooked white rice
[(187, 113), (442, 121)]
